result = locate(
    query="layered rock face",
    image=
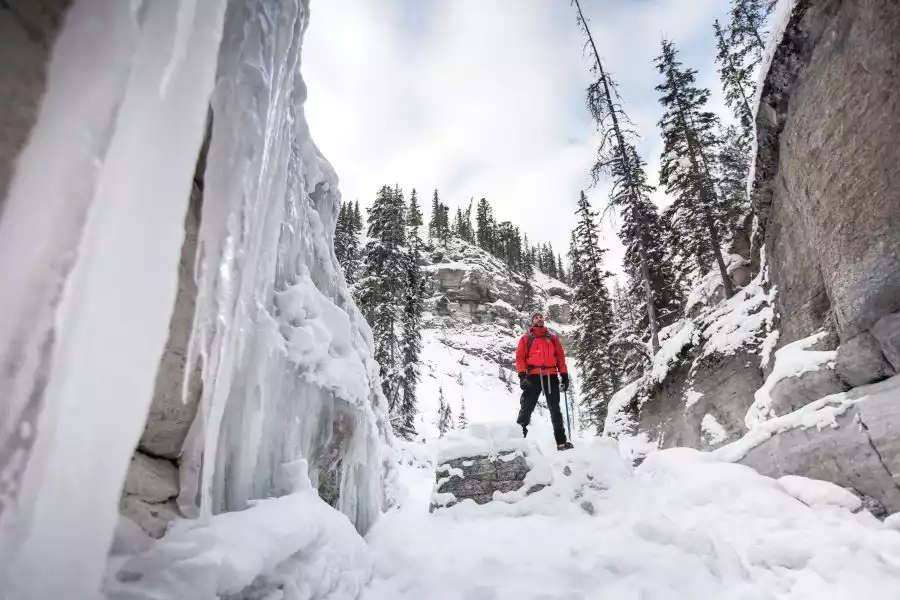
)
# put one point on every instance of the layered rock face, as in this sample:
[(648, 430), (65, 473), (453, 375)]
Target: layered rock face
[(827, 183), (827, 196)]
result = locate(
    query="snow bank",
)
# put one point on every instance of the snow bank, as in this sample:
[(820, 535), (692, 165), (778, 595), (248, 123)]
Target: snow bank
[(682, 525), (295, 545), (814, 492), (482, 439), (790, 361), (679, 337)]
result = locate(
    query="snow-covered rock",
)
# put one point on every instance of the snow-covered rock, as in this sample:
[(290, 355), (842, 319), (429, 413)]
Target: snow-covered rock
[(151, 479), (707, 370), (559, 310), (850, 439)]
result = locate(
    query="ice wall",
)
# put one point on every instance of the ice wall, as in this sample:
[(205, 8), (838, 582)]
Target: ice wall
[(89, 247), (89, 250), (287, 368)]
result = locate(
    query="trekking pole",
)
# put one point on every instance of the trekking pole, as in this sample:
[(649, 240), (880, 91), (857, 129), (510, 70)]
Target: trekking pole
[(568, 424)]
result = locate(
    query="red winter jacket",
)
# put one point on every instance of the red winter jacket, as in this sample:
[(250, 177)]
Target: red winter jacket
[(545, 357)]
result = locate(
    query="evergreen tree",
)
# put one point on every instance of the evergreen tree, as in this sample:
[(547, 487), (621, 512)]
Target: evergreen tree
[(733, 168), (346, 242), (529, 301), (484, 219), (737, 82), (463, 420), (747, 29), (560, 269), (593, 313), (689, 147), (650, 273), (444, 420), (411, 321), (631, 354), (381, 288), (617, 157), (575, 261), (341, 232)]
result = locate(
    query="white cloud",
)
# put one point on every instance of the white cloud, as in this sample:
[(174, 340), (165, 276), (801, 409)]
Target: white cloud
[(485, 97)]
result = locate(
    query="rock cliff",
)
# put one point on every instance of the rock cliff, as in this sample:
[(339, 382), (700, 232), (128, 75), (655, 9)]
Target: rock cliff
[(822, 318)]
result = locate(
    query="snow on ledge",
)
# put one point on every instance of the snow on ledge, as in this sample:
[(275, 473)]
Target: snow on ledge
[(814, 492), (482, 439), (790, 361), (820, 414)]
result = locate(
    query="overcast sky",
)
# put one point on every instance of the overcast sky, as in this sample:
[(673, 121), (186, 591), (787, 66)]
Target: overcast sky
[(485, 98)]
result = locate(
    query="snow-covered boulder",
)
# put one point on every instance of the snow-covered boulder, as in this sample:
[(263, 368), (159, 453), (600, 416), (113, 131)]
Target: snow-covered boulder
[(850, 439), (801, 374), (487, 462)]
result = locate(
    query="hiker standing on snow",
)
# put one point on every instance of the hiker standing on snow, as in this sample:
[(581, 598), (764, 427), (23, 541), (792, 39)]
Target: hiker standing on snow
[(539, 358)]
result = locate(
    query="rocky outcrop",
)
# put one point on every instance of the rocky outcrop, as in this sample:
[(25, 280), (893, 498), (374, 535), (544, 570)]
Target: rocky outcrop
[(148, 496), (826, 182), (171, 413), (478, 477), (826, 197), (859, 448), (716, 387)]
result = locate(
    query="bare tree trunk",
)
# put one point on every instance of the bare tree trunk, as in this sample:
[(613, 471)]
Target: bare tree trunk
[(623, 151)]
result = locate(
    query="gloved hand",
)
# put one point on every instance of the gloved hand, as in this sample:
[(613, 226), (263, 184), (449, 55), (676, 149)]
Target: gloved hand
[(564, 384), (523, 382)]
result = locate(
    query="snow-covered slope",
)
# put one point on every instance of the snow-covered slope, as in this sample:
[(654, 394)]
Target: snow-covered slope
[(470, 332)]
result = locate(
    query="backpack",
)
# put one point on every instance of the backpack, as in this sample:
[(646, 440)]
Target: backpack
[(550, 335)]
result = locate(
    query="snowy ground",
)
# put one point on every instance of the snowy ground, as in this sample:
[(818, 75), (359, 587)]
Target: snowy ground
[(682, 525)]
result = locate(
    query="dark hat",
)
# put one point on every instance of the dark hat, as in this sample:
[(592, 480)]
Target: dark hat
[(536, 313)]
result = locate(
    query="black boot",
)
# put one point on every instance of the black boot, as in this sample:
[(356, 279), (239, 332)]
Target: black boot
[(524, 431), (565, 446)]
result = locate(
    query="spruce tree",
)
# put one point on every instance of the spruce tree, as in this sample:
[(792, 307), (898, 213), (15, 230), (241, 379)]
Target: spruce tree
[(689, 147), (736, 78), (411, 321), (617, 157), (341, 232), (382, 286), (463, 420), (560, 269), (748, 20), (593, 313), (444, 420), (484, 220), (733, 168), (650, 272), (529, 301)]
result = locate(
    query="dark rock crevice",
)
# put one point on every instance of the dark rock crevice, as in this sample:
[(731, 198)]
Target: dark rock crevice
[(865, 429)]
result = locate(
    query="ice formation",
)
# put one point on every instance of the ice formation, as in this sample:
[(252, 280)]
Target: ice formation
[(287, 370), (89, 247)]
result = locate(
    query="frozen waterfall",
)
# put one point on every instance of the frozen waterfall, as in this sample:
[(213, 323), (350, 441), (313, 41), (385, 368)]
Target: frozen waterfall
[(89, 246)]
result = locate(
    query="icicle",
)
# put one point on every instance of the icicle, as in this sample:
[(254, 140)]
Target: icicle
[(89, 248), (286, 356)]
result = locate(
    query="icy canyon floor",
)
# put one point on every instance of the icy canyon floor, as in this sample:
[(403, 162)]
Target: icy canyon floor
[(683, 524)]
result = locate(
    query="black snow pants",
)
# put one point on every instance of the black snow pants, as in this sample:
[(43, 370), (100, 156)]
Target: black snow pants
[(549, 385)]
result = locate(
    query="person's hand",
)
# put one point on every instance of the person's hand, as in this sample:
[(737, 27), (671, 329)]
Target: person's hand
[(523, 382), (564, 386)]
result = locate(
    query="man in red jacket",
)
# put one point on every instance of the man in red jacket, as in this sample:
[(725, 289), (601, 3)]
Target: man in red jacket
[(539, 358)]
